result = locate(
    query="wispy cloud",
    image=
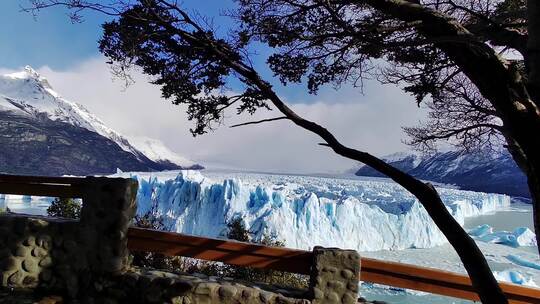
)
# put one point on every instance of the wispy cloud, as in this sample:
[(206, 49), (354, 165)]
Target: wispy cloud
[(371, 122)]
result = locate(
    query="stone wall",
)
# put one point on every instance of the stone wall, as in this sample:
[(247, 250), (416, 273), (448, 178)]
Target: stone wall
[(88, 259), (334, 276), (59, 254)]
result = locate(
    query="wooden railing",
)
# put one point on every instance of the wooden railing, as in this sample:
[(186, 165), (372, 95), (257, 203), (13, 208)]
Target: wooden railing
[(299, 261), (258, 256)]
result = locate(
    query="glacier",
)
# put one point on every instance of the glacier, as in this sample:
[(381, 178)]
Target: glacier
[(303, 211)]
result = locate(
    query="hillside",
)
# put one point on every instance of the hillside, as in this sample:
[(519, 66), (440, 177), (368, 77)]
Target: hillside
[(469, 171), (43, 133)]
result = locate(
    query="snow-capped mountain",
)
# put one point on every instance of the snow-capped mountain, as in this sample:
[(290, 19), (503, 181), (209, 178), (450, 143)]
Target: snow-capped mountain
[(494, 173), (161, 154), (27, 94)]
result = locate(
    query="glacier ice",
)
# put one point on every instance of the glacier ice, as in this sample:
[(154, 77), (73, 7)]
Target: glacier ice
[(521, 236), (301, 211), (514, 277), (523, 262)]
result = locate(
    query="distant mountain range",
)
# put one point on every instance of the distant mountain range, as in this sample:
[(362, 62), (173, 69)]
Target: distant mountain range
[(469, 171), (43, 133)]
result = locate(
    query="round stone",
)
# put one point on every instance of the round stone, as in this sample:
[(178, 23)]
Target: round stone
[(227, 291), (181, 300), (332, 297), (248, 294), (205, 288), (37, 224), (347, 274), (330, 269), (20, 251), (317, 293), (348, 299), (266, 297), (46, 262), (29, 280), (29, 265), (15, 278), (44, 241), (38, 252), (29, 241)]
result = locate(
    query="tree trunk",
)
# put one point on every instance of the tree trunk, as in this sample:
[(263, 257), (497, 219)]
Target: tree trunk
[(533, 86), (533, 50), (466, 248), (533, 181)]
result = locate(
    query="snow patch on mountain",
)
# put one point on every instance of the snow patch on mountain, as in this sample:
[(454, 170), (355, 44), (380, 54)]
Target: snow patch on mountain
[(158, 152)]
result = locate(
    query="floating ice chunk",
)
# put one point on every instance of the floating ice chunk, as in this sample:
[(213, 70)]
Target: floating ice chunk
[(522, 262), (525, 237), (521, 236), (514, 277), (481, 230)]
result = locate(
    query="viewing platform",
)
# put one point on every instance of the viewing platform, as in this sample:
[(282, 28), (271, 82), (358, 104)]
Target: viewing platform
[(52, 259)]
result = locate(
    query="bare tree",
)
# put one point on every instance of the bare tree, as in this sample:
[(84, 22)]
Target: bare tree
[(445, 51)]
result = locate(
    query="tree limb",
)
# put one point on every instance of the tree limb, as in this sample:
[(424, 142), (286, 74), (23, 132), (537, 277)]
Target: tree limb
[(259, 121)]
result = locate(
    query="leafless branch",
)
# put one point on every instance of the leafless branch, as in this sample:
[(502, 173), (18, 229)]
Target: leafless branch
[(259, 121)]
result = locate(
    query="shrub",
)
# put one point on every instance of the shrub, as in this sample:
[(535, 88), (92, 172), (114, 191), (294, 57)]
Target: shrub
[(236, 230), (65, 207)]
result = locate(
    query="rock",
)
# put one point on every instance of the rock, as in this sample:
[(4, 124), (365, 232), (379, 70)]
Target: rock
[(227, 291)]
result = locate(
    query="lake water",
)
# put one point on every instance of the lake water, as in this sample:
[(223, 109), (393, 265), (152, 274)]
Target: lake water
[(519, 215)]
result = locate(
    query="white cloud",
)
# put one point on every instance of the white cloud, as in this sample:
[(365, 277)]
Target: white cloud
[(370, 122)]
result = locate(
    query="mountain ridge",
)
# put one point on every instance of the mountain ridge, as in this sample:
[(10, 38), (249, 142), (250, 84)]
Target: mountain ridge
[(476, 171), (29, 97)]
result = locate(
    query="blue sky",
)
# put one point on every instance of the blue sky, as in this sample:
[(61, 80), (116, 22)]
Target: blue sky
[(68, 56), (51, 39)]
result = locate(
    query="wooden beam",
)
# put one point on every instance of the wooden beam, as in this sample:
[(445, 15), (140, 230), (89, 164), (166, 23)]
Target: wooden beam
[(42, 186), (51, 190), (5, 178), (235, 253), (436, 281)]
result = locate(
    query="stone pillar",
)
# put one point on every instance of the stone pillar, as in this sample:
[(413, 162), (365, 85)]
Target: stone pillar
[(334, 276), (109, 205)]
